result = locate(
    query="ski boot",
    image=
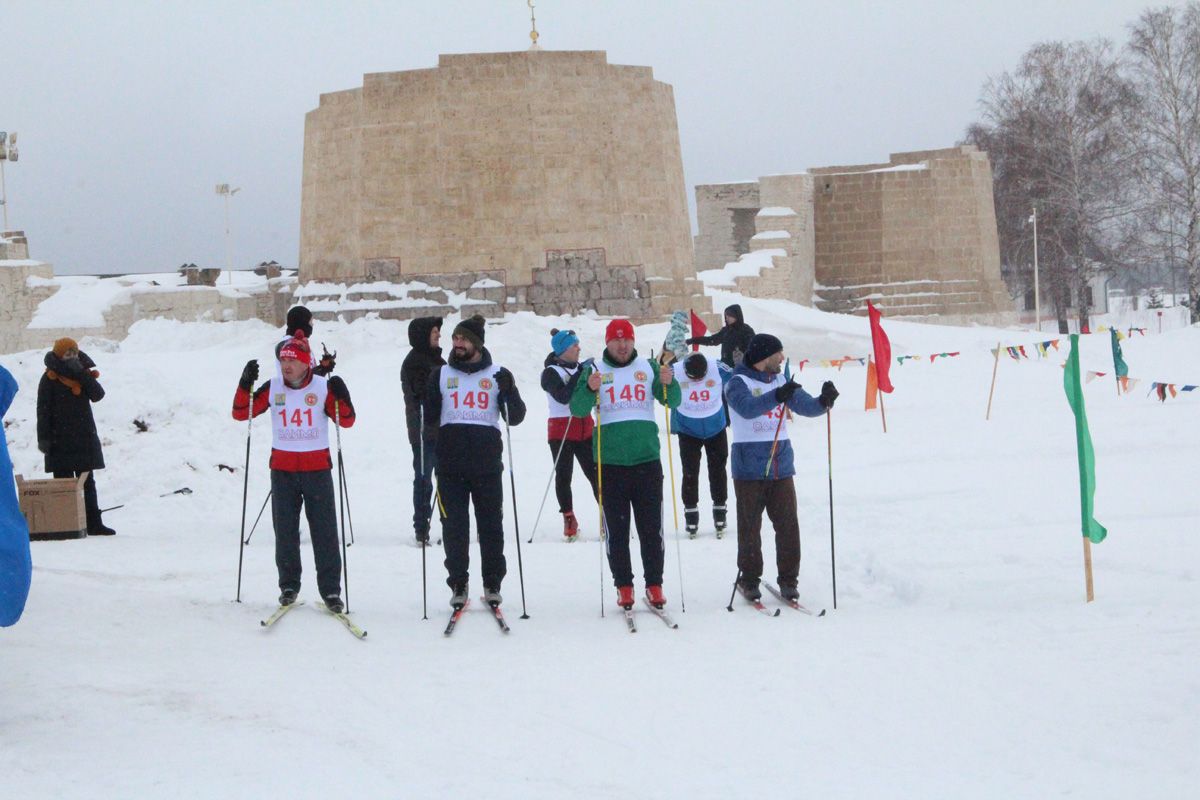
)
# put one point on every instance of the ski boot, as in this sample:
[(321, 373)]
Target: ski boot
[(287, 597), (459, 597), (789, 592), (492, 597), (335, 604), (691, 521), (750, 590), (719, 520), (654, 595), (570, 526), (625, 597)]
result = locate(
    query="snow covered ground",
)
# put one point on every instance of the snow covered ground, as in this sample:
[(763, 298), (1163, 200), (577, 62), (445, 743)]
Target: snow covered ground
[(962, 660)]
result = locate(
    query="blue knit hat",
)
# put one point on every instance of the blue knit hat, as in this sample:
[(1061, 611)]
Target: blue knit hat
[(562, 340)]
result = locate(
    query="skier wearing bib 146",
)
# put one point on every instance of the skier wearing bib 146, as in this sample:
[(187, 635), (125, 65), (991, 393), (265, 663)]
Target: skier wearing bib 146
[(627, 453), (700, 422), (301, 404), (467, 397), (762, 461)]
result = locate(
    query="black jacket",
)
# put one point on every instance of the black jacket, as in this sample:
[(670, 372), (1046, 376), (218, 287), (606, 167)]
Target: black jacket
[(553, 383), (414, 375), (66, 429), (470, 448), (734, 339)]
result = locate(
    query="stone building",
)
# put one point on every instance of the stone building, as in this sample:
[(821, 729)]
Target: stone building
[(916, 235), (554, 174)]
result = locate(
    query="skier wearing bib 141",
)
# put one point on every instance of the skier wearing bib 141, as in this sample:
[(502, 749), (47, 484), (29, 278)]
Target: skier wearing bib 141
[(467, 397), (301, 404), (628, 466)]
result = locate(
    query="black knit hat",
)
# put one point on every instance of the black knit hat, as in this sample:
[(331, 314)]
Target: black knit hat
[(695, 366), (763, 345), (299, 318), (471, 330)]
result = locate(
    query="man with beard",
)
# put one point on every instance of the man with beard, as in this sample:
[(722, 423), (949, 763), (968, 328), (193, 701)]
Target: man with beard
[(570, 437), (623, 389), (762, 461), (467, 397), (425, 336)]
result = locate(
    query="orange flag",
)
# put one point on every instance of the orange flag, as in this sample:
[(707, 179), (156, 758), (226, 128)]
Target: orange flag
[(872, 385)]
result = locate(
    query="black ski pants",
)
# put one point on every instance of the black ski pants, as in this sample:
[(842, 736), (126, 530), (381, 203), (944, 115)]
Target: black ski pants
[(423, 484), (580, 451), (314, 491), (716, 449), (486, 491), (778, 499), (636, 489)]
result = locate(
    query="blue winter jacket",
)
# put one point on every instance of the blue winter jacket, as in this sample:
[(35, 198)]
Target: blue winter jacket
[(15, 565), (704, 427), (749, 460)]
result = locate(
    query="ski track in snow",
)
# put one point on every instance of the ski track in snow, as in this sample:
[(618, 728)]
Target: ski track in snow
[(961, 661)]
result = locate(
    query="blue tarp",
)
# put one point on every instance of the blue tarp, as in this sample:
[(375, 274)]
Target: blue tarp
[(16, 566)]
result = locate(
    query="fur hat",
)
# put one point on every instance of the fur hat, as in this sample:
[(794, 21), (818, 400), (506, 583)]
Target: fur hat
[(61, 346), (299, 318)]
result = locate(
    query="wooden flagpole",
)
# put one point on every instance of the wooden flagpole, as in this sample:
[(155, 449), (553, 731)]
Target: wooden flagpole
[(992, 390), (882, 410), (1087, 568)]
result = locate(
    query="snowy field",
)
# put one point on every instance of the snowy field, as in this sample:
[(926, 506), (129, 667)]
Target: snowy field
[(962, 660)]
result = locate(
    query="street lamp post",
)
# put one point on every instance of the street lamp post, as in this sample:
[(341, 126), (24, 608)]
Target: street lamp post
[(8, 152), (1037, 294), (226, 192)]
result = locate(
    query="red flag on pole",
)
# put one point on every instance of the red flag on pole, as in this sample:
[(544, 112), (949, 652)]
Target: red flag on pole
[(883, 350), (698, 328)]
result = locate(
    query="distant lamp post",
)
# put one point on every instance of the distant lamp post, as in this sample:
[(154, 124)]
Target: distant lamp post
[(1037, 294), (224, 190), (8, 152)]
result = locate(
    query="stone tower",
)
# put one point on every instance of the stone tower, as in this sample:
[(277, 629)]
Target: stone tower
[(519, 166)]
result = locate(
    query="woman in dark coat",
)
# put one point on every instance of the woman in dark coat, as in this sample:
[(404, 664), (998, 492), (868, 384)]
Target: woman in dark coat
[(66, 430)]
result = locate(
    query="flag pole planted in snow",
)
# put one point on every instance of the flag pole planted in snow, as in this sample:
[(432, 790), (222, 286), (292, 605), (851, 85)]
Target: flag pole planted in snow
[(882, 348), (1093, 531), (992, 390)]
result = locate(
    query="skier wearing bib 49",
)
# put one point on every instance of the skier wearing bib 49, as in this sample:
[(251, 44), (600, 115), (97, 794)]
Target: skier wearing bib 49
[(700, 422), (468, 396), (300, 403), (762, 461), (627, 453), (570, 437)]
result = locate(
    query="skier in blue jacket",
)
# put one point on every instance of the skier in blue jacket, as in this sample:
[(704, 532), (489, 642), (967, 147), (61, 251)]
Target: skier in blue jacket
[(763, 465), (16, 567), (700, 422)]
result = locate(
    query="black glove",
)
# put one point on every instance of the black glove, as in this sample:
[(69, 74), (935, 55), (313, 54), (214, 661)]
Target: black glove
[(690, 341), (504, 380), (337, 388), (249, 375), (829, 393), (44, 446), (785, 392)]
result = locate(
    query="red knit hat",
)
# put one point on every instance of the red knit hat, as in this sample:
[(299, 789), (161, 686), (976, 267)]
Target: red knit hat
[(297, 348), (618, 329)]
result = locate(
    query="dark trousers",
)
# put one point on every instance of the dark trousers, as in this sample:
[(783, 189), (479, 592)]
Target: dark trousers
[(636, 489), (717, 451), (90, 502), (313, 491), (486, 491), (579, 451), (778, 498), (423, 485)]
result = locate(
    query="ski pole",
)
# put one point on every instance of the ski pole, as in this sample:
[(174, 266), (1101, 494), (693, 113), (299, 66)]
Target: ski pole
[(424, 544), (553, 472), (774, 442), (674, 505), (512, 480), (733, 593), (349, 508), (600, 497), (266, 500), (245, 491), (337, 422), (832, 554)]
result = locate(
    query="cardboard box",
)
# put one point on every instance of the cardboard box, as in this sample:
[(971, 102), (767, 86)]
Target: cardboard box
[(53, 507)]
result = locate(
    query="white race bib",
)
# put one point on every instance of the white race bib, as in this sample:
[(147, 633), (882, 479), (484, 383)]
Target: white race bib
[(470, 398), (298, 420), (625, 392), (761, 428), (701, 397), (558, 409)]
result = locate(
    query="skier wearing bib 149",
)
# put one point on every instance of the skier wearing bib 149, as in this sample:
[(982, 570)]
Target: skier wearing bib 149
[(627, 453), (762, 461), (700, 422), (301, 404), (467, 396)]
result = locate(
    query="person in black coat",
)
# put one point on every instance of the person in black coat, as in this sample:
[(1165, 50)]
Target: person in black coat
[(424, 334), (66, 430), (734, 338)]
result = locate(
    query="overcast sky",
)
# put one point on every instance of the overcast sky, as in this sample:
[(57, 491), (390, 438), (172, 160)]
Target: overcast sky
[(130, 112)]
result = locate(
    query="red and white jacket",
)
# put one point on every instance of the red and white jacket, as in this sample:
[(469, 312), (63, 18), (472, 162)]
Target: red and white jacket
[(297, 458)]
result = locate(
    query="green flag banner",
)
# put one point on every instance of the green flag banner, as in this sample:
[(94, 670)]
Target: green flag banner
[(1118, 362), (1092, 529)]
